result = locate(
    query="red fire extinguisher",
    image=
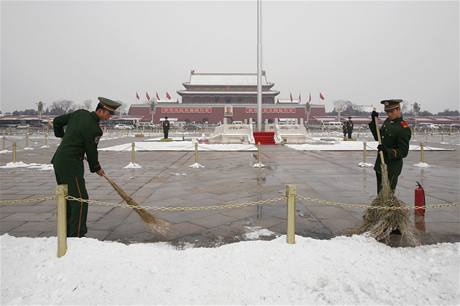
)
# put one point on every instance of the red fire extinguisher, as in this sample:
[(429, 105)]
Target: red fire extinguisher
[(419, 200)]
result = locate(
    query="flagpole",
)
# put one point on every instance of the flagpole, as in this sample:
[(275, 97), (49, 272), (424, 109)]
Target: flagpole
[(259, 66)]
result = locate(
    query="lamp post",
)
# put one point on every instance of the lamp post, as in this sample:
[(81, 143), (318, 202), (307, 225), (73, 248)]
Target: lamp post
[(259, 65)]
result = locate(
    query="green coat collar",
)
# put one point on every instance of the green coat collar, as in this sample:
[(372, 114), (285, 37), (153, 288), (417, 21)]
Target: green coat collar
[(96, 117)]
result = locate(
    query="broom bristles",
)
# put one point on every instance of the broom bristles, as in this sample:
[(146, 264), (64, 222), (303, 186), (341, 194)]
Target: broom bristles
[(380, 223), (154, 224)]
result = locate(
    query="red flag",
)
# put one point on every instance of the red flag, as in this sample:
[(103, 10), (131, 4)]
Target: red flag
[(137, 95), (291, 96), (168, 96), (309, 98), (321, 96), (147, 95), (158, 97)]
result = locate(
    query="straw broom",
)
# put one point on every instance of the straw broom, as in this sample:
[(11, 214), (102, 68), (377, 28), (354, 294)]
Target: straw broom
[(154, 224), (380, 223)]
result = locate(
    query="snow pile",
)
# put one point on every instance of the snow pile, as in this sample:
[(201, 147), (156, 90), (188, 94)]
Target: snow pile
[(365, 165), (20, 164), (343, 270), (196, 166), (422, 165), (255, 232), (132, 166)]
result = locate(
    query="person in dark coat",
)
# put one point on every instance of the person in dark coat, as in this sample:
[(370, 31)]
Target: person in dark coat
[(80, 136), (349, 127), (344, 130), (166, 125), (395, 134)]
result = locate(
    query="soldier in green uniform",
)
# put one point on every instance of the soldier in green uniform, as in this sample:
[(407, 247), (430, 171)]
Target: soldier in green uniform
[(80, 136), (395, 134)]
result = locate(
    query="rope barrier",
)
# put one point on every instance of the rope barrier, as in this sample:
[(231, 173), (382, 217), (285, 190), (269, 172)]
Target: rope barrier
[(23, 201), (228, 205), (367, 206), (181, 208)]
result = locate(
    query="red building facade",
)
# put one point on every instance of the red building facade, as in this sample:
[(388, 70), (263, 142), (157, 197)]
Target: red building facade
[(211, 97)]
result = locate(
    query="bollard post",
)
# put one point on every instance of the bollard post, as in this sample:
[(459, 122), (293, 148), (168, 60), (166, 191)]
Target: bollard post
[(61, 193), (422, 154), (364, 151), (290, 218), (196, 152), (27, 140), (258, 152), (14, 152), (133, 152), (46, 139), (3, 143)]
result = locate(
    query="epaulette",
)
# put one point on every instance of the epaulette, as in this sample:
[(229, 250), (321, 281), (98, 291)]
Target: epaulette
[(404, 124)]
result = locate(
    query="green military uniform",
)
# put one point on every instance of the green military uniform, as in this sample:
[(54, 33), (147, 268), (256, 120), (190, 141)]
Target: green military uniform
[(395, 136), (81, 136)]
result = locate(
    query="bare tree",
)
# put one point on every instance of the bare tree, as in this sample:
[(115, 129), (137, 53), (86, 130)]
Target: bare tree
[(40, 109), (88, 104), (342, 105), (61, 107)]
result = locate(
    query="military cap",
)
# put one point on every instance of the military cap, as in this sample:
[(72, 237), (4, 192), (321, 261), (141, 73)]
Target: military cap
[(108, 104), (391, 104)]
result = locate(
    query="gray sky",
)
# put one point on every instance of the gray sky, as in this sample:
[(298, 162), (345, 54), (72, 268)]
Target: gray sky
[(361, 51)]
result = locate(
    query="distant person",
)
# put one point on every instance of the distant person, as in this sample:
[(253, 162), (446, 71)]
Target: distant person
[(349, 127), (395, 134), (165, 125), (81, 136), (344, 130)]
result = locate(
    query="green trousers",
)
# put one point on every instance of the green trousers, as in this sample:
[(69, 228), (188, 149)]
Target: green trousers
[(77, 211)]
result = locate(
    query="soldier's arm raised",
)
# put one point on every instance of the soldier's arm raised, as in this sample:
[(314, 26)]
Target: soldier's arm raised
[(59, 123)]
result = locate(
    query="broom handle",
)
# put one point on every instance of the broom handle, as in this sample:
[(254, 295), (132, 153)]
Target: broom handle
[(382, 160)]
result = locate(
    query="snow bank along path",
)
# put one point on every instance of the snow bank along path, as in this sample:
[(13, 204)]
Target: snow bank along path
[(343, 270)]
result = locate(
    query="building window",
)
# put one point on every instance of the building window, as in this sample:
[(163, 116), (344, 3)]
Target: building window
[(228, 100)]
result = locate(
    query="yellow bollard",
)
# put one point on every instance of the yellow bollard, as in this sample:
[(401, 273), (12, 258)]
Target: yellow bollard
[(290, 218), (196, 152), (133, 152), (364, 151), (258, 153), (14, 152), (61, 193), (422, 153)]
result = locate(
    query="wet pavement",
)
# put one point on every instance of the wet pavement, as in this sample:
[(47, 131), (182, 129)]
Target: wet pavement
[(166, 179)]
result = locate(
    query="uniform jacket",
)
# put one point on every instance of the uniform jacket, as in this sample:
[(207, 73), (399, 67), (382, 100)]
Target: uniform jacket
[(395, 135), (166, 125), (81, 136)]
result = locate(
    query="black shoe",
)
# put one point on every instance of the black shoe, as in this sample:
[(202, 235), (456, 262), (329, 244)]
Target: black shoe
[(396, 232)]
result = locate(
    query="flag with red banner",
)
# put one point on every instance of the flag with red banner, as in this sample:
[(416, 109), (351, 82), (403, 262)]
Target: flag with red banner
[(147, 95), (309, 98), (137, 96), (168, 96), (321, 96), (158, 97)]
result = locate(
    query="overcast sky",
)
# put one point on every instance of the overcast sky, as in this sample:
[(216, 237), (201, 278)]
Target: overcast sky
[(360, 51)]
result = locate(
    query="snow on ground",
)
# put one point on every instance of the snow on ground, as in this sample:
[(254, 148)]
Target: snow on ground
[(344, 270), (328, 144), (180, 146), (422, 165), (21, 164), (132, 165)]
